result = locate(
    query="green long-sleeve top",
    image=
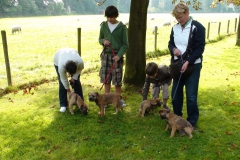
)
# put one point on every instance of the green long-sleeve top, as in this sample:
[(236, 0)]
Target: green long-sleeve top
[(118, 38)]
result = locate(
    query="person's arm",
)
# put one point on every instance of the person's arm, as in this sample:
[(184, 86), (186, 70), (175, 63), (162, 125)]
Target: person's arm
[(145, 89), (171, 44), (101, 34), (198, 43), (124, 45), (63, 77)]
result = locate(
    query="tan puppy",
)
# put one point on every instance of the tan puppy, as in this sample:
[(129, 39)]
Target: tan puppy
[(148, 105), (77, 100), (176, 122), (104, 99)]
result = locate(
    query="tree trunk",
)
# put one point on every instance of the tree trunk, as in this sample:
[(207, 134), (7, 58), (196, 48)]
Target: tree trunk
[(136, 54), (238, 32)]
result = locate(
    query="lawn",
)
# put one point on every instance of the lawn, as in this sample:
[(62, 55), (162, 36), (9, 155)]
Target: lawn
[(31, 126)]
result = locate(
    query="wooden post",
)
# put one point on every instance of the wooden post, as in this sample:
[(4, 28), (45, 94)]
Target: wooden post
[(79, 41), (228, 27), (208, 30), (219, 27), (238, 33), (155, 43), (235, 25), (5, 50)]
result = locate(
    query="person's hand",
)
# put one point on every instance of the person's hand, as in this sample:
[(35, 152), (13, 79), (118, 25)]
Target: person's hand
[(176, 52), (106, 42), (68, 91), (184, 67), (116, 58), (72, 80)]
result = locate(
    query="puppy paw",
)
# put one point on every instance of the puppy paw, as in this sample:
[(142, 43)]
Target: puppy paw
[(101, 114)]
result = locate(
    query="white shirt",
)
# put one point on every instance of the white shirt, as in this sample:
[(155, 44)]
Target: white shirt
[(61, 57), (112, 26)]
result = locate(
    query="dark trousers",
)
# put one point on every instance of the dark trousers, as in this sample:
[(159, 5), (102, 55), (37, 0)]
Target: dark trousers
[(191, 87), (63, 92)]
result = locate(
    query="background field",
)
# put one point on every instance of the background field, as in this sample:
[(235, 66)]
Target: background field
[(31, 52)]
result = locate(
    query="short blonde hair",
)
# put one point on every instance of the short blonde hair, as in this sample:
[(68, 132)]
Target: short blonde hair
[(179, 9)]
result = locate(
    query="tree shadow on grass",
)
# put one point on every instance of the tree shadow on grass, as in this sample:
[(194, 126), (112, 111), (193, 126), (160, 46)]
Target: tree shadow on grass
[(43, 132)]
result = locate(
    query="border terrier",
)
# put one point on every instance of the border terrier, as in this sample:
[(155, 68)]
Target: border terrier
[(176, 122), (148, 105), (77, 100), (104, 99)]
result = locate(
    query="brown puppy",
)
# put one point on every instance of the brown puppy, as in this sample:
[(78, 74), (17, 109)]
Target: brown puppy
[(176, 122), (77, 100), (104, 99), (148, 105)]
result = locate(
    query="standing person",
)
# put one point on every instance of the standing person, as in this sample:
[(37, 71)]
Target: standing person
[(67, 60), (114, 33), (160, 77), (177, 45)]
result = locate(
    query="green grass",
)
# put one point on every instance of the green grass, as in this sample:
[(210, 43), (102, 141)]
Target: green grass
[(31, 126)]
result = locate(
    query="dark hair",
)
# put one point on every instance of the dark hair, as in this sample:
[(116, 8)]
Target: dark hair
[(71, 67), (151, 68), (111, 11)]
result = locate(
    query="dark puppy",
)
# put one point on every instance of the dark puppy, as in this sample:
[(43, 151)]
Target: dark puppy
[(77, 100), (176, 122), (148, 105), (104, 99)]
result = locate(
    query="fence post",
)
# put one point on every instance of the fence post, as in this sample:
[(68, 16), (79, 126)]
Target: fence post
[(219, 27), (228, 27), (235, 25), (79, 41), (5, 50), (238, 33), (208, 30), (155, 43)]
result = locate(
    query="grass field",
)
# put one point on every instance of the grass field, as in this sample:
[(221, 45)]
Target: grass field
[(31, 126), (31, 52)]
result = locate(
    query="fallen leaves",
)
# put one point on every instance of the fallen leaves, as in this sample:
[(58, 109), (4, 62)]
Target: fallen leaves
[(28, 89), (10, 100), (85, 138), (228, 133), (234, 145)]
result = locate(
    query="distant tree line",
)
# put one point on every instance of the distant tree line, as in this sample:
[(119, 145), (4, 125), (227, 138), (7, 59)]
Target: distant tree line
[(15, 8)]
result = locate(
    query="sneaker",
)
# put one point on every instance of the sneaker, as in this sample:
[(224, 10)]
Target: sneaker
[(194, 126), (63, 109), (122, 103)]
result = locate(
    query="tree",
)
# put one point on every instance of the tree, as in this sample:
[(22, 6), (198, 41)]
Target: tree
[(136, 54)]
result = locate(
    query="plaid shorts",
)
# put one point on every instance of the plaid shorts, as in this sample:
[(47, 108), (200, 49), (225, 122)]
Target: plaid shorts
[(116, 75)]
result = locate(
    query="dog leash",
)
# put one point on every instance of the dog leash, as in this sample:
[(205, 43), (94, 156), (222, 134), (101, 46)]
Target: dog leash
[(113, 66)]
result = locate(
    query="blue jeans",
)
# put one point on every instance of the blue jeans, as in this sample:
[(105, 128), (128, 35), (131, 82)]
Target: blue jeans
[(63, 92), (191, 85)]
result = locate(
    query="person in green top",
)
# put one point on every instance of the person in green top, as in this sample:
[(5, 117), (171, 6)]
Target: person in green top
[(113, 34)]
